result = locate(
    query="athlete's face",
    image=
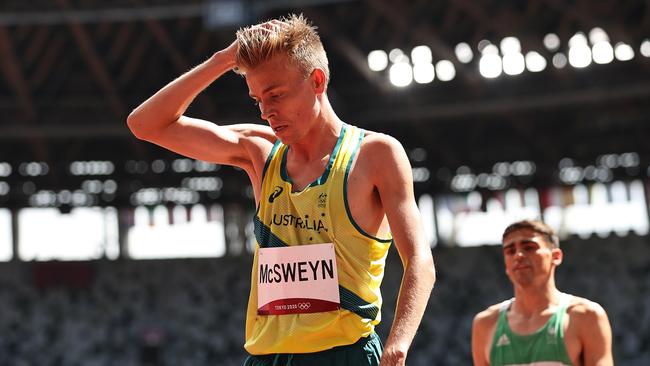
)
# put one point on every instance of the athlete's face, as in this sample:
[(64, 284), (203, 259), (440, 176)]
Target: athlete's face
[(529, 258), (286, 98)]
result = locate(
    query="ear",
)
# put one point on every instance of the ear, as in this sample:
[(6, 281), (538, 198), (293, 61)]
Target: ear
[(318, 80), (557, 255)]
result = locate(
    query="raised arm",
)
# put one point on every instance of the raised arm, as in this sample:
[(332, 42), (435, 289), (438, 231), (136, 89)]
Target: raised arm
[(394, 182), (160, 119)]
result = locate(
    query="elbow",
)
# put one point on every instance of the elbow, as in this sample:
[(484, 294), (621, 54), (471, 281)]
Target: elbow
[(430, 271), (137, 126), (423, 268), (134, 124)]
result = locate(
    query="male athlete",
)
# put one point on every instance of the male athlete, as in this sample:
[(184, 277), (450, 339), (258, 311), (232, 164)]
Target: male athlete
[(330, 200), (540, 325)]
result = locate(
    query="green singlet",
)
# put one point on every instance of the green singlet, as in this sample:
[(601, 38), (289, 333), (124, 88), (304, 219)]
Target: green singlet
[(545, 347)]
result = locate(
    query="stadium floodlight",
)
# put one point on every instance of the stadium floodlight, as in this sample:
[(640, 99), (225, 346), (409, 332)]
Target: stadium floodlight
[(423, 73), (92, 186), (482, 44), (377, 60), (5, 169), (401, 74), (490, 66), (158, 166), (182, 165), (401, 58), (602, 52), (597, 35), (394, 54), (464, 52), (110, 186), (490, 49), (510, 45), (559, 60), (513, 63), (446, 70), (535, 62), (92, 167), (552, 42), (629, 159), (623, 52), (645, 48), (421, 54), (580, 55), (577, 39), (33, 168)]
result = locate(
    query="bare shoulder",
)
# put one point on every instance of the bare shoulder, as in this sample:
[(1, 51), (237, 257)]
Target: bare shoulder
[(488, 317), (377, 141), (483, 329), (381, 155), (378, 149), (589, 331), (584, 310)]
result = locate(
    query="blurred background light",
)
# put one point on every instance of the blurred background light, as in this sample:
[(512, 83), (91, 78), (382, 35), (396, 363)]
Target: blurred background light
[(377, 60), (464, 53), (445, 70)]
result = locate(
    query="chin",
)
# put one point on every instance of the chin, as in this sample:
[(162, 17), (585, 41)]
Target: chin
[(285, 140), (522, 281)]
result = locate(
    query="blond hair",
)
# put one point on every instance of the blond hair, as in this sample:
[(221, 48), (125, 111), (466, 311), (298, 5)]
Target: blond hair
[(536, 226), (297, 38)]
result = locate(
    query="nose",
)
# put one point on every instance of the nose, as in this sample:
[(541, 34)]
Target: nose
[(266, 112)]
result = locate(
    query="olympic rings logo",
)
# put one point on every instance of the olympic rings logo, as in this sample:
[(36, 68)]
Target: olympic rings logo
[(304, 305)]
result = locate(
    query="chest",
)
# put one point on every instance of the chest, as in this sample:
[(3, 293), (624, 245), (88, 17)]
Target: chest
[(535, 336), (527, 325), (301, 174)]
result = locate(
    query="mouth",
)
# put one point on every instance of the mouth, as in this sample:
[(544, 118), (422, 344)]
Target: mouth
[(520, 267), (280, 128)]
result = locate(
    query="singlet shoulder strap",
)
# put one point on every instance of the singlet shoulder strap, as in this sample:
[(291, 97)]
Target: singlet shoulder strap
[(565, 300), (502, 322), (505, 306), (272, 154)]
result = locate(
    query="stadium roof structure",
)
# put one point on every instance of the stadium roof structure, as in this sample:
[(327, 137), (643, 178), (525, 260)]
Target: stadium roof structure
[(72, 70)]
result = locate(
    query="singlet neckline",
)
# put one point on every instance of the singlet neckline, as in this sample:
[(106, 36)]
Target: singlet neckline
[(564, 301), (284, 174)]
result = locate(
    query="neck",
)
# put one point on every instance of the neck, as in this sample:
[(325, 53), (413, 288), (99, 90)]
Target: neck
[(531, 300), (322, 134)]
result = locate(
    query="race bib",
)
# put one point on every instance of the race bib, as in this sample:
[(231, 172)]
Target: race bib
[(297, 280)]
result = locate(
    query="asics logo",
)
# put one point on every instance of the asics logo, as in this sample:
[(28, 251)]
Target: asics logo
[(276, 192)]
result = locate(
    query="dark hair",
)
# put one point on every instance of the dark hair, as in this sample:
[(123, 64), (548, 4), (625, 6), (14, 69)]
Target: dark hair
[(536, 226)]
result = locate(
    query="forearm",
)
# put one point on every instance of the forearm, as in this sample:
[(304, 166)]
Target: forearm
[(417, 283), (170, 102)]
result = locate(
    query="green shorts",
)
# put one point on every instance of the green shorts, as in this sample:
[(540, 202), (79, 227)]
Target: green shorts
[(366, 351)]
